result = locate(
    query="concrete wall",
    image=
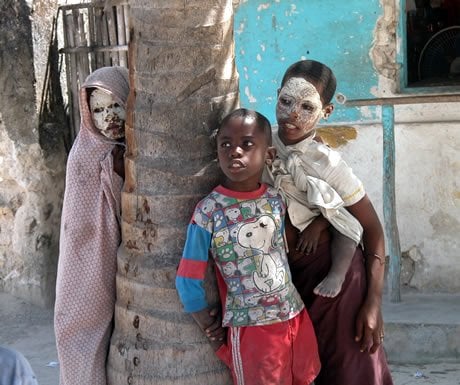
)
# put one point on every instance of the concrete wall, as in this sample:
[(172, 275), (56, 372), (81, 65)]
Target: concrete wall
[(360, 40), (32, 156)]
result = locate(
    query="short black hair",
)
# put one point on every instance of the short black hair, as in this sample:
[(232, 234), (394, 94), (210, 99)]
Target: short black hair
[(317, 73), (262, 122)]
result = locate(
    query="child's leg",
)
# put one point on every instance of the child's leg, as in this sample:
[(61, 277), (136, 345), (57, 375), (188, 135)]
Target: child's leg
[(342, 251)]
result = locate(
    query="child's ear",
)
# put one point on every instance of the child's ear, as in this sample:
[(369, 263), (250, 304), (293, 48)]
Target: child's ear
[(278, 92), (270, 155), (327, 110)]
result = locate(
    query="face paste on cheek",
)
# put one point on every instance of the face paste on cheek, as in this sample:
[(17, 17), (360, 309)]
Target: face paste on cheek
[(108, 116), (305, 106)]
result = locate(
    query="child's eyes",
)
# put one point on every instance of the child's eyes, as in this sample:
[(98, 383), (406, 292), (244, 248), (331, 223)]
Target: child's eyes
[(307, 107), (114, 105), (98, 109), (246, 143), (285, 101)]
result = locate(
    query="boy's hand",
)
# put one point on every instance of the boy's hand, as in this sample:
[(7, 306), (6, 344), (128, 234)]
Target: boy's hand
[(210, 322), (215, 331), (308, 239)]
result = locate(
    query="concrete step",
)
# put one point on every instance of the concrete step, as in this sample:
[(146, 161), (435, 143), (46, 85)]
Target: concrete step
[(422, 328)]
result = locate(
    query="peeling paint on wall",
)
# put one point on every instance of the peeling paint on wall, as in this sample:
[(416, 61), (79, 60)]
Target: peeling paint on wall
[(383, 51), (337, 136), (271, 35), (410, 259)]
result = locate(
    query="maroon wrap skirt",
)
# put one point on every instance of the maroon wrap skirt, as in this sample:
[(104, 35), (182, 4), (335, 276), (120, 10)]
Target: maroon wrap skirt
[(334, 321)]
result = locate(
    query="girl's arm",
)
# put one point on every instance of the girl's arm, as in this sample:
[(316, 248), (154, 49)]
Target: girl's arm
[(369, 322)]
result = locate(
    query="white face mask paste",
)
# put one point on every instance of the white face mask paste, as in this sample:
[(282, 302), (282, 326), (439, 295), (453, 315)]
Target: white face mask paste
[(108, 115), (299, 103)]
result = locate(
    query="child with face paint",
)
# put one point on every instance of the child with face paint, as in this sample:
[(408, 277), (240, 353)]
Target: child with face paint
[(309, 173), (90, 230), (341, 289), (265, 335)]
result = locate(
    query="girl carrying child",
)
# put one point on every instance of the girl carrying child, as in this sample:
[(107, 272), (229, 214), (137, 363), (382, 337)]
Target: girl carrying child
[(349, 324)]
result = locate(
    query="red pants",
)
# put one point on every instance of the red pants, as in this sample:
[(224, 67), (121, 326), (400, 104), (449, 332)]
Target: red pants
[(285, 353)]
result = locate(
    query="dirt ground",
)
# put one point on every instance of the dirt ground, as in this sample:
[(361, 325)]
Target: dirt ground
[(29, 329)]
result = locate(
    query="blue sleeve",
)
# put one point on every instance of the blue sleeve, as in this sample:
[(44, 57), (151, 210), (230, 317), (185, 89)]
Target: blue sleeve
[(192, 269)]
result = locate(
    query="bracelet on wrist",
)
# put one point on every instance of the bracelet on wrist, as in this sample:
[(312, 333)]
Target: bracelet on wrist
[(381, 259)]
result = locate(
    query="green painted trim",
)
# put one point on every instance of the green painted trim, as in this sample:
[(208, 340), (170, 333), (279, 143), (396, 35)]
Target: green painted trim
[(401, 57), (389, 204)]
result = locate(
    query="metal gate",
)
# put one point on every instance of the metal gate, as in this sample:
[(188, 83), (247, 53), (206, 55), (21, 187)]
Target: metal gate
[(94, 35)]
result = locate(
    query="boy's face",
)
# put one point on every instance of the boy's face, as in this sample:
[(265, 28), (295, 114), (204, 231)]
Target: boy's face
[(242, 150), (298, 110), (108, 116)]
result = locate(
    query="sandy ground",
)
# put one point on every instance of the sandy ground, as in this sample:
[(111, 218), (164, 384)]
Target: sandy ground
[(29, 329)]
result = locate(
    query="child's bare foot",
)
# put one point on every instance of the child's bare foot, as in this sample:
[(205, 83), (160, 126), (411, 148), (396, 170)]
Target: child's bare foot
[(329, 286)]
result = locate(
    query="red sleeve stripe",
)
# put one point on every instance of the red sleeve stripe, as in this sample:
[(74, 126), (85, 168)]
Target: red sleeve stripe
[(189, 268)]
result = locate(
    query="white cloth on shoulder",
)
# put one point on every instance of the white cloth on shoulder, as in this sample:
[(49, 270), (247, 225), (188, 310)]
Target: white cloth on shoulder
[(316, 181)]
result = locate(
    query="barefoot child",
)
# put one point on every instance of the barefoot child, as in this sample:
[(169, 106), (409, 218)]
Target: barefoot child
[(270, 339), (305, 171), (349, 326)]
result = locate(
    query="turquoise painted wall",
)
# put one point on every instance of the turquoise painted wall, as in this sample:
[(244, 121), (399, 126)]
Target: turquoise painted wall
[(271, 35)]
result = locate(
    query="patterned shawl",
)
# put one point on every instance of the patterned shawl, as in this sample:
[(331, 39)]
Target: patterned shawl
[(90, 236)]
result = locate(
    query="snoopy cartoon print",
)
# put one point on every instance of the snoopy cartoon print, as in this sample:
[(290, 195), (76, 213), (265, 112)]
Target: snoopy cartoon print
[(268, 277), (233, 214)]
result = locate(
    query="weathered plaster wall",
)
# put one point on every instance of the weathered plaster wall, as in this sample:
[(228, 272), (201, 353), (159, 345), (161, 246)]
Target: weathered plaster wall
[(427, 196), (32, 159), (359, 40), (271, 35)]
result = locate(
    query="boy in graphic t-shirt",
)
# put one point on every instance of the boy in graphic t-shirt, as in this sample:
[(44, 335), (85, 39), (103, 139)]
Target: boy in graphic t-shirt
[(269, 335)]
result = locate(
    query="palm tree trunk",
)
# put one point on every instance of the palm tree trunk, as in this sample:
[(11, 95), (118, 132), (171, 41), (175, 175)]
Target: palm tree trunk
[(183, 80)]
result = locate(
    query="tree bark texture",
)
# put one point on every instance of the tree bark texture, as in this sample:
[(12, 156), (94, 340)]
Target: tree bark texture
[(183, 81)]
